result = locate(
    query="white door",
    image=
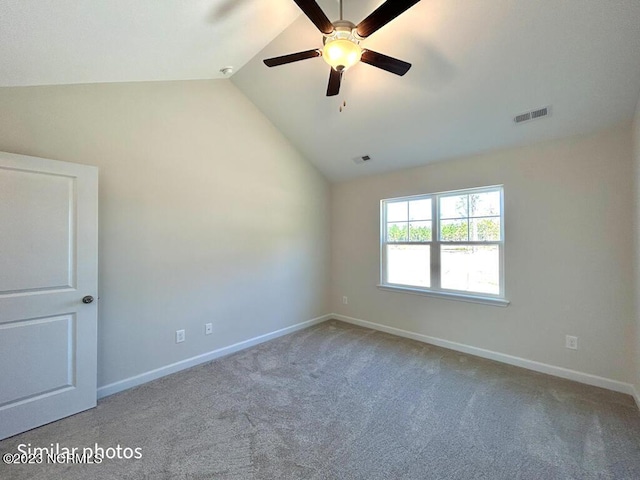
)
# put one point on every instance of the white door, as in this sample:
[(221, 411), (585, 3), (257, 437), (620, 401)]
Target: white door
[(48, 263)]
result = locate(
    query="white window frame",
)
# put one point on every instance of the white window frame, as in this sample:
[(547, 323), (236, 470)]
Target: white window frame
[(435, 243)]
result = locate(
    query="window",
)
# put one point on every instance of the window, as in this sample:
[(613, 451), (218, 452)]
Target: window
[(449, 244)]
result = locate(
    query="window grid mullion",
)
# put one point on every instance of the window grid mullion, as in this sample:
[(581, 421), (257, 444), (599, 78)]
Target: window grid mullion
[(407, 222), (435, 248)]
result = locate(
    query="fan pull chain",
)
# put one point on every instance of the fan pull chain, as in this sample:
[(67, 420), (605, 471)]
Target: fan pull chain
[(344, 105)]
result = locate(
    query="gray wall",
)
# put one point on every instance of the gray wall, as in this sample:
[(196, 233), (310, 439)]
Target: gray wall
[(207, 214), (569, 241)]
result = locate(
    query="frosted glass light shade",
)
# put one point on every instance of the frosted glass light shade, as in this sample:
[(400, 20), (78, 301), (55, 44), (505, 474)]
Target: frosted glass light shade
[(341, 54)]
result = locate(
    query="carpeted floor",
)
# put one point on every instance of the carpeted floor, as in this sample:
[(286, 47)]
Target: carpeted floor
[(337, 401)]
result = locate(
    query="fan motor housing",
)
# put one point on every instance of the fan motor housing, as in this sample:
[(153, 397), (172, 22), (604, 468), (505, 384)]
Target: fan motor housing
[(343, 29)]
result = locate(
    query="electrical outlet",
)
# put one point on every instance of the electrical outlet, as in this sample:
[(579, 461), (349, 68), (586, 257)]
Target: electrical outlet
[(345, 301), (180, 336), (208, 328), (571, 342)]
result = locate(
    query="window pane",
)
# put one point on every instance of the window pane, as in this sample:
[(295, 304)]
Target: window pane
[(397, 212), (420, 209), (484, 204), (471, 268), (397, 232), (409, 265), (454, 230), (484, 229), (454, 206), (420, 231)]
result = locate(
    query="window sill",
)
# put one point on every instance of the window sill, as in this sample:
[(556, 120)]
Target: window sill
[(497, 302)]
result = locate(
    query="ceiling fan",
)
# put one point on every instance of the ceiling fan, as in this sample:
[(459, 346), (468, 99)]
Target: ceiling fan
[(342, 40)]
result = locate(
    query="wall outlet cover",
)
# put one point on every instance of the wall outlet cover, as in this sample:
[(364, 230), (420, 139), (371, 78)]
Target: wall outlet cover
[(180, 336), (571, 342)]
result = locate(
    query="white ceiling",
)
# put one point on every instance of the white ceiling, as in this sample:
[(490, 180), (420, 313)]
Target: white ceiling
[(48, 42), (476, 64)]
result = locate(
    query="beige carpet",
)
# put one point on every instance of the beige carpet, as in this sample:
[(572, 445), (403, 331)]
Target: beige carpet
[(337, 401)]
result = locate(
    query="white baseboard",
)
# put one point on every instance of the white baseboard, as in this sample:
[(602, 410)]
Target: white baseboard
[(561, 372), (145, 377)]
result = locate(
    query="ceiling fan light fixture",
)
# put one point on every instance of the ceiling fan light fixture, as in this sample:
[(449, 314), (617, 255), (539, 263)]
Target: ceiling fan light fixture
[(342, 47), (341, 53), (341, 42)]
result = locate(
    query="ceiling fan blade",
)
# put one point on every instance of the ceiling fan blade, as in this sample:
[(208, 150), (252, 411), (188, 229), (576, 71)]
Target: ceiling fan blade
[(383, 15), (335, 78), (292, 57), (384, 62), (312, 10)]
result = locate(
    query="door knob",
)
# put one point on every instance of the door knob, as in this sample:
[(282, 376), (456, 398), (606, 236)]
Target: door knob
[(87, 299)]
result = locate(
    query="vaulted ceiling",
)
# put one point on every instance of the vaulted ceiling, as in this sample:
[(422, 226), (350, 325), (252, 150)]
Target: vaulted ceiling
[(49, 42), (476, 64)]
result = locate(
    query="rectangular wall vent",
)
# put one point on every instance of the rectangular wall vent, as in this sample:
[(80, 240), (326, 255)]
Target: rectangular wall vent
[(533, 115), (543, 112)]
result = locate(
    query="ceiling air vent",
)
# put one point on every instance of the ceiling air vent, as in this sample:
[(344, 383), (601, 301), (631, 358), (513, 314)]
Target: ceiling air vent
[(362, 159), (532, 115)]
